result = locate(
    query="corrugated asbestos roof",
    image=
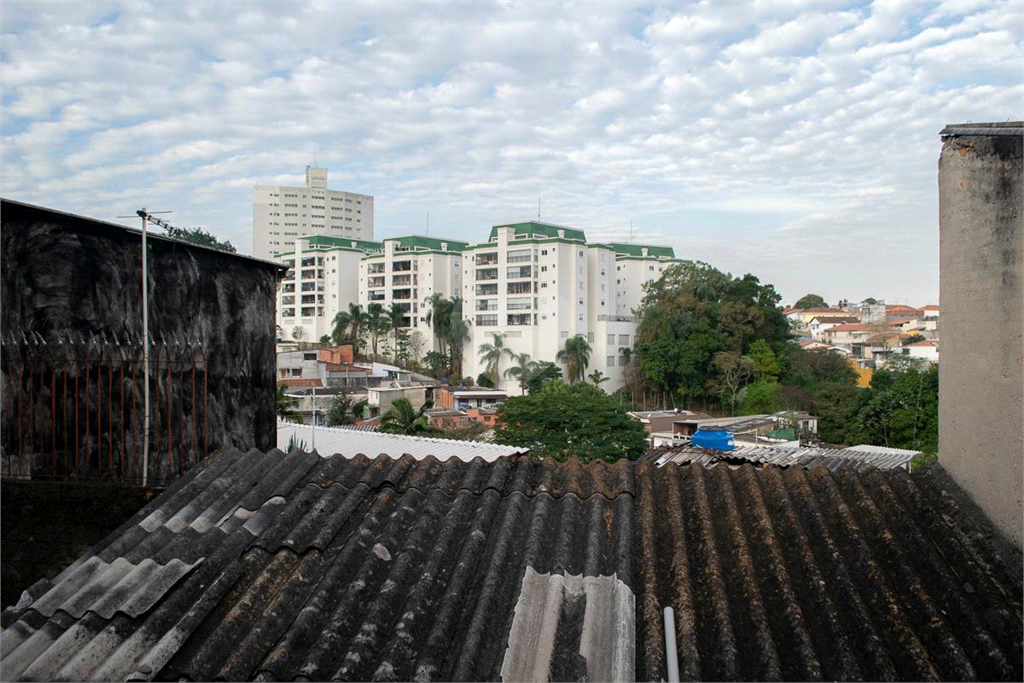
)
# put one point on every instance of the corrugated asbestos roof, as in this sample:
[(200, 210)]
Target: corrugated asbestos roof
[(350, 442), (284, 567), (855, 457), (1014, 128)]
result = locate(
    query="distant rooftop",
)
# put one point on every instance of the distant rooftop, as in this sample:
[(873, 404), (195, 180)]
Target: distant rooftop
[(541, 230), (424, 243), (327, 242), (630, 249)]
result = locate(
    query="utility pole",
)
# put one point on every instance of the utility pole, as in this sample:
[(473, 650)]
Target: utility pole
[(146, 216)]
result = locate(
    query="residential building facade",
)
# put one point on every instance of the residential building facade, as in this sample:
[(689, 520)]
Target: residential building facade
[(320, 283), (536, 285), (408, 271), (281, 215)]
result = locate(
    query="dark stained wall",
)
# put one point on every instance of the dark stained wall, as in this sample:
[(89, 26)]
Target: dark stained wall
[(66, 274)]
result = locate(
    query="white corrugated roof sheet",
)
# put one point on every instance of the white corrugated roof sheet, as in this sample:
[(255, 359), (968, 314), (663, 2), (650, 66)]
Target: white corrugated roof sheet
[(350, 443)]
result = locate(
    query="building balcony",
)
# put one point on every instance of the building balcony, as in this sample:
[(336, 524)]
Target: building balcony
[(519, 272), (401, 294), (487, 274), (487, 290), (376, 295), (486, 305), (519, 319), (401, 280), (401, 266), (486, 259)]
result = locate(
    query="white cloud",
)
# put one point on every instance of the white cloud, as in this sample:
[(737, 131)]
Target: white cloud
[(796, 140)]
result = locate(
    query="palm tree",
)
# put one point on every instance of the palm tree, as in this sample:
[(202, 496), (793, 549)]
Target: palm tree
[(348, 324), (542, 372), (491, 353), (376, 320), (576, 356), (439, 317), (402, 418), (521, 370), (458, 332), (598, 378), (396, 320)]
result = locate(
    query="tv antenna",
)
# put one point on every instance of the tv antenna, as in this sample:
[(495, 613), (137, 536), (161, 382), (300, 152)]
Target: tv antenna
[(146, 216)]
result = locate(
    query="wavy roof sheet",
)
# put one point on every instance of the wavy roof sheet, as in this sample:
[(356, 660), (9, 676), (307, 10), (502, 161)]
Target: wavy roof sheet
[(302, 567), (350, 442), (855, 457)]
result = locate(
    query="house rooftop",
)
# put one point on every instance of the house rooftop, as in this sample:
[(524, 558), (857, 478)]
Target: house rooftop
[(274, 566), (1013, 128)]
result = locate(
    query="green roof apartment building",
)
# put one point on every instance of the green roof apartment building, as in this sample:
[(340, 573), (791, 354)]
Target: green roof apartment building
[(535, 284), (538, 284)]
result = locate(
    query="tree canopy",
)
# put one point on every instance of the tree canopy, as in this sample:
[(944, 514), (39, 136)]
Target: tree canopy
[(565, 421), (402, 418), (810, 301), (694, 312), (198, 236)]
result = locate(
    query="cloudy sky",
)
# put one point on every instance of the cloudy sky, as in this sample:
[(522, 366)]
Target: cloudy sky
[(797, 141)]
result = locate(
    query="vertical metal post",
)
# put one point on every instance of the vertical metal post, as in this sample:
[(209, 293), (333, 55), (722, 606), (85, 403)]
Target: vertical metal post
[(145, 353), (312, 446)]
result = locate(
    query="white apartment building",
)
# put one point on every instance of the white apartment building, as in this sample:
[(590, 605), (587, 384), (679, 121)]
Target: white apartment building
[(538, 284), (280, 215), (408, 271), (321, 281)]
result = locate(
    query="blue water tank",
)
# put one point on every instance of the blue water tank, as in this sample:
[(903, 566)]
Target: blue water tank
[(718, 439)]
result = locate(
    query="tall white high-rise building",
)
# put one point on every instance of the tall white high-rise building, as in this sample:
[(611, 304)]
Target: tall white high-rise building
[(280, 215)]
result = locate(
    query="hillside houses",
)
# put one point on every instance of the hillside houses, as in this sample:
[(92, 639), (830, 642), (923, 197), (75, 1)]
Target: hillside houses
[(869, 332)]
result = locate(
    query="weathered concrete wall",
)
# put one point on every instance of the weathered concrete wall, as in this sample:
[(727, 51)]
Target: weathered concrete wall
[(981, 388), (68, 274)]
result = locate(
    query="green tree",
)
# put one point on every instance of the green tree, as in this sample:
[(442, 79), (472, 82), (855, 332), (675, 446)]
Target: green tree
[(733, 372), (348, 326), (377, 323), (458, 333), (344, 411), (913, 339), (810, 301), (198, 236), (760, 398), (902, 410), (285, 404), (766, 365), (695, 311), (598, 378), (521, 370), (491, 353), (576, 356), (437, 363), (402, 418), (837, 405), (570, 421), (540, 373), (439, 317), (325, 340), (396, 322), (484, 379)]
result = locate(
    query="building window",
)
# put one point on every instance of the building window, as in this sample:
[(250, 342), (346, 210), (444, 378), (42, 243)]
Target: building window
[(611, 340), (487, 320), (624, 340), (611, 361)]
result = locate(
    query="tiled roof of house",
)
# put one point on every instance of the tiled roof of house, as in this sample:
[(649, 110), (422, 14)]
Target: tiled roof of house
[(848, 327), (277, 567), (926, 342), (837, 319), (299, 383)]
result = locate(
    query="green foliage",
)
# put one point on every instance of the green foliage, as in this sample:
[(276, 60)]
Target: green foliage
[(903, 409), (576, 356), (198, 236), (808, 369), (484, 379), (344, 411), (836, 405), (733, 372), (491, 353), (766, 365), (295, 442), (348, 327), (285, 404), (450, 330), (810, 301), (437, 364), (598, 378), (761, 398), (325, 340), (913, 339), (694, 312), (402, 418), (540, 373), (566, 421)]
